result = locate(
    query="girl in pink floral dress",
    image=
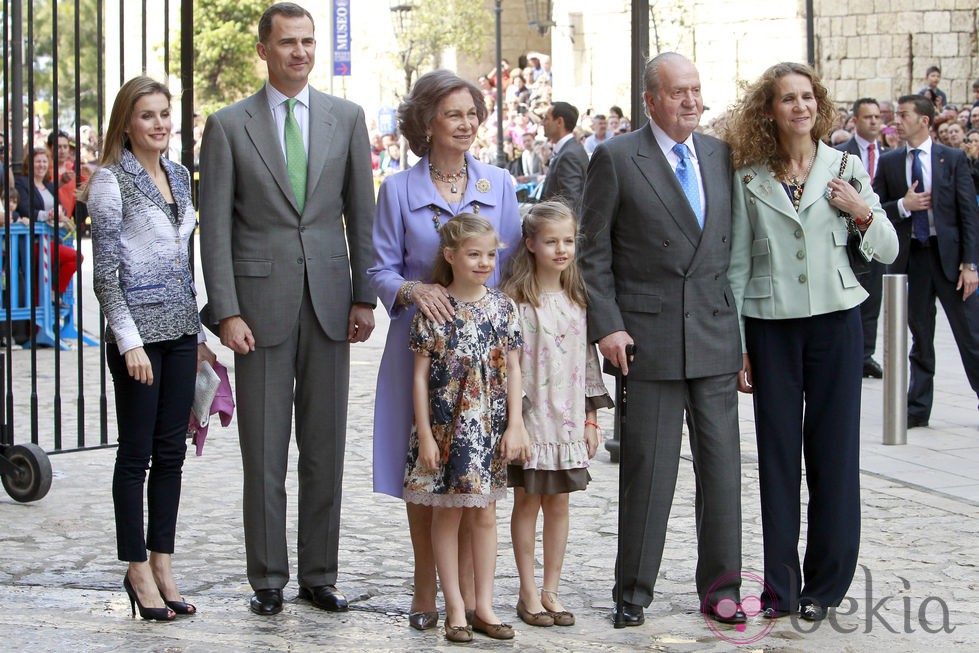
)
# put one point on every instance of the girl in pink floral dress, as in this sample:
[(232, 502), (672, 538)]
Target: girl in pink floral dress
[(563, 389), (468, 423)]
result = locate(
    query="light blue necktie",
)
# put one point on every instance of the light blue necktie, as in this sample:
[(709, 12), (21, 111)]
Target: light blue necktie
[(687, 177)]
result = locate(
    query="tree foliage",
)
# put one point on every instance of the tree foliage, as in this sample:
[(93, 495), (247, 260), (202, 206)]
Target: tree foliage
[(44, 60), (225, 64), (432, 26)]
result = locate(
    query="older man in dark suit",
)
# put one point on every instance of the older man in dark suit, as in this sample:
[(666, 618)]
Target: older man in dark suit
[(926, 189), (287, 204), (865, 146), (656, 215), (566, 171)]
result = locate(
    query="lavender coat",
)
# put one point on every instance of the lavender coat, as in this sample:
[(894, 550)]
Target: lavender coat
[(405, 246)]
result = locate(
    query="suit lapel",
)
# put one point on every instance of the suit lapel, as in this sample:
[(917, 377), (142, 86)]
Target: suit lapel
[(321, 132), (656, 170), (938, 175), (825, 167), (144, 183), (715, 178), (261, 130), (763, 187)]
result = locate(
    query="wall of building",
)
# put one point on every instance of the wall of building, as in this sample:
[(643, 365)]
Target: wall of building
[(881, 48)]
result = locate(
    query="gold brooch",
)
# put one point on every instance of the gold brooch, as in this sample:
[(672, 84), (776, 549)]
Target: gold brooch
[(482, 185), (747, 179)]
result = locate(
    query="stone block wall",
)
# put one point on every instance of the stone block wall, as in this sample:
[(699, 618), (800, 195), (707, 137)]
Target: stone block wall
[(881, 48)]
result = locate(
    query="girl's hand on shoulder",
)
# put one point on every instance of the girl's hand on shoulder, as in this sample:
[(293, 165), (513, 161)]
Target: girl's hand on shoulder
[(428, 453), (592, 439), (433, 301), (138, 365)]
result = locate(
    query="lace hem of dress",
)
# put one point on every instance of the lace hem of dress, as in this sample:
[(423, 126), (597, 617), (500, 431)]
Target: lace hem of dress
[(557, 455), (454, 500)]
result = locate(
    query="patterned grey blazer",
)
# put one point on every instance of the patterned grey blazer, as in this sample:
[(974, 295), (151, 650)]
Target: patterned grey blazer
[(142, 272)]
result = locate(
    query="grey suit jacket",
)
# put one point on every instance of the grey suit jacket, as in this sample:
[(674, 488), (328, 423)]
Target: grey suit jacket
[(566, 174), (649, 269), (256, 247)]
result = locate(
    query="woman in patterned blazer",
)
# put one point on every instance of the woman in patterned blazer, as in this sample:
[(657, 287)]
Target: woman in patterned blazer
[(142, 221)]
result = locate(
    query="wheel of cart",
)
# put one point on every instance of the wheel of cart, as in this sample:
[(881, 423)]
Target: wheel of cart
[(26, 471), (24, 468)]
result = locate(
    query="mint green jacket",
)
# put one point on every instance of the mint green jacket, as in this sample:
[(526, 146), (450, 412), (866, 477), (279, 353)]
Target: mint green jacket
[(787, 264)]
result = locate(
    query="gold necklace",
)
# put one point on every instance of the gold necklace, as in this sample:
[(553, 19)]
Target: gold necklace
[(798, 187), (450, 178)]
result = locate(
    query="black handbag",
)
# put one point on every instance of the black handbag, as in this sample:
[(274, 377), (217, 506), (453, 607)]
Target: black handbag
[(858, 263)]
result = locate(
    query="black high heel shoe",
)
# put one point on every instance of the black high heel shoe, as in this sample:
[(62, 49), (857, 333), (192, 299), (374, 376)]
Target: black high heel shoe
[(152, 614), (180, 607)]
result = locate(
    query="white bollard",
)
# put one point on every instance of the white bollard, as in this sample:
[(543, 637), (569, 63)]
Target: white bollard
[(895, 359)]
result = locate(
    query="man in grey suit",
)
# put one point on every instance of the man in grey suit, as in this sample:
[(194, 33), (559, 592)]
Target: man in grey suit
[(566, 171), (656, 216), (287, 203)]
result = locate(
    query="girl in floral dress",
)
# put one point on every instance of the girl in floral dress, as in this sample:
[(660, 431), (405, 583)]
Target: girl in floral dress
[(468, 422), (563, 388)]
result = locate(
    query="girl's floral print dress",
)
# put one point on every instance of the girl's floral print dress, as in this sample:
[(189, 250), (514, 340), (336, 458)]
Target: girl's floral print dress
[(467, 401)]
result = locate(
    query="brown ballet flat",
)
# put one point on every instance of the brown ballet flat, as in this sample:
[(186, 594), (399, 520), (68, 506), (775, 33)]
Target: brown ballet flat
[(460, 634), (562, 618), (534, 618), (496, 631)]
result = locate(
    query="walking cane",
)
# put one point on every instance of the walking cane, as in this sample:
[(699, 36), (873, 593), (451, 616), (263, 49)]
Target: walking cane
[(622, 403)]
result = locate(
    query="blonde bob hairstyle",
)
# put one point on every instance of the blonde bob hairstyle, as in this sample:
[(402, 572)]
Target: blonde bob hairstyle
[(121, 115), (751, 132), (521, 281), (454, 235)]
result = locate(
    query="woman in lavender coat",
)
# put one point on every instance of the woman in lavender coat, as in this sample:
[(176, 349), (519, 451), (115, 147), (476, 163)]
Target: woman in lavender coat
[(439, 119)]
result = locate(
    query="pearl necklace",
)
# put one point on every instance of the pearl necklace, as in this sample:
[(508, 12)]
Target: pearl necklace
[(449, 178)]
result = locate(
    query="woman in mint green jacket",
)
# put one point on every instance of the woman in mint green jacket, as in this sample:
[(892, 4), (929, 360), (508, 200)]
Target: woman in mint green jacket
[(799, 302)]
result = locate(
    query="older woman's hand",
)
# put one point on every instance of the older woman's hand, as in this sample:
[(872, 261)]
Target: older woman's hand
[(433, 301), (845, 197)]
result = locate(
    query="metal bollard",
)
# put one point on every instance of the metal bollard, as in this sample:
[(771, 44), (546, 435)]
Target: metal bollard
[(895, 359)]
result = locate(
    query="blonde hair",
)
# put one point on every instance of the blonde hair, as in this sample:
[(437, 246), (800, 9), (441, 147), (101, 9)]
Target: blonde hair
[(122, 113), (453, 235), (753, 135), (521, 281)]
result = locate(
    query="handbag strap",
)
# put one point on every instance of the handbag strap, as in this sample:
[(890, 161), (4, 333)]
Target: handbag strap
[(843, 162)]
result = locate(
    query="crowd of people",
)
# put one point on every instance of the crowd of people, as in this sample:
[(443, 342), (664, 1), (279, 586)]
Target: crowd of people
[(697, 264)]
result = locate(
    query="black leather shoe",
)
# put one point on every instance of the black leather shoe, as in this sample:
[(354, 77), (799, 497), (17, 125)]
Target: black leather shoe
[(325, 597), (914, 422), (772, 613), (872, 369), (812, 612), (629, 614), (738, 617), (266, 602)]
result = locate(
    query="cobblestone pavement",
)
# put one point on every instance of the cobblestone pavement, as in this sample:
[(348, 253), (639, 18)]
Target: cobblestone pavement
[(60, 584)]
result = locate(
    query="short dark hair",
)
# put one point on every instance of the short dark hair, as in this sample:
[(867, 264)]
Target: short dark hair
[(933, 69), (862, 101), (53, 137), (287, 9), (568, 113), (922, 106), (617, 110), (599, 116), (418, 110)]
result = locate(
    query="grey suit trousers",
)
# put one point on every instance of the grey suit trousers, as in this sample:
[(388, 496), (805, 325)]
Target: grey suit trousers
[(650, 457), (312, 372)]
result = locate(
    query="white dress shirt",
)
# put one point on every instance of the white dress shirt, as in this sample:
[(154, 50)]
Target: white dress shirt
[(277, 104), (666, 144)]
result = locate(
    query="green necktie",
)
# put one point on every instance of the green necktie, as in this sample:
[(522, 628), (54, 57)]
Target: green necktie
[(295, 155)]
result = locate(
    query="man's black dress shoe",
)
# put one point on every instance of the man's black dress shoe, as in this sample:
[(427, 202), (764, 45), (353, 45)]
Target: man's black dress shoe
[(914, 422), (266, 602), (629, 614), (738, 617), (772, 613), (325, 597), (812, 612), (872, 369)]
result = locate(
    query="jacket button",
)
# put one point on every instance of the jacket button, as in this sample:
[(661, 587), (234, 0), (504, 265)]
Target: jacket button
[(302, 229), (724, 239), (715, 311), (687, 314), (798, 233), (801, 254), (802, 278), (751, 200), (666, 243), (299, 260), (716, 277)]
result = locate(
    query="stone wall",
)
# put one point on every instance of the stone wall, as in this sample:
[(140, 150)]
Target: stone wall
[(881, 48)]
